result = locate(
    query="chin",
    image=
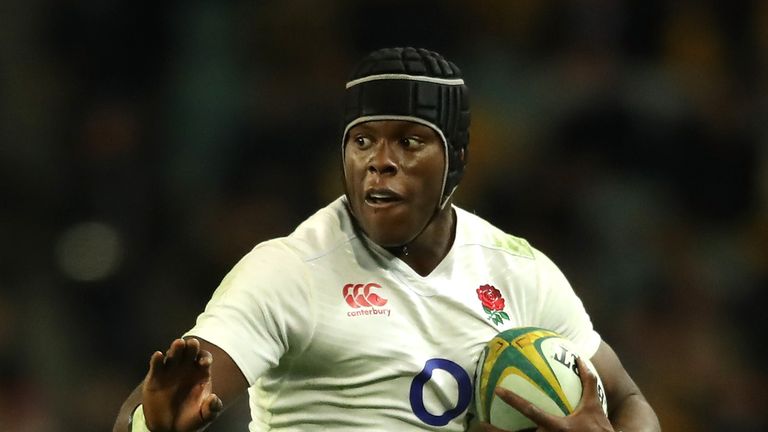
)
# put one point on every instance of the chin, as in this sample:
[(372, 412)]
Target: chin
[(387, 234), (386, 228), (387, 239)]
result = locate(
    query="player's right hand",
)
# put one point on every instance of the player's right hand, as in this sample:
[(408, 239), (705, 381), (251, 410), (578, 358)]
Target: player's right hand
[(176, 392), (587, 416)]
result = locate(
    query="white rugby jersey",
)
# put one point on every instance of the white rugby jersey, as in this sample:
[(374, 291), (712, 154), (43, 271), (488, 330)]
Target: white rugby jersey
[(333, 332)]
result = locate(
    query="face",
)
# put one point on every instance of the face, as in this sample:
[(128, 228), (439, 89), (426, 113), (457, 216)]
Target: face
[(394, 177)]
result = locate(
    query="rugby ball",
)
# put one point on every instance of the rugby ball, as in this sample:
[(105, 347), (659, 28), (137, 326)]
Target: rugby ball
[(538, 365)]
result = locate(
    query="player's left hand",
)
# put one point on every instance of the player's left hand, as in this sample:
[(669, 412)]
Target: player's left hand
[(588, 415)]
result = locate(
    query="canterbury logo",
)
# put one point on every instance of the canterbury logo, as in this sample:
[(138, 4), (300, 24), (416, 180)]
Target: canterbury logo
[(358, 295)]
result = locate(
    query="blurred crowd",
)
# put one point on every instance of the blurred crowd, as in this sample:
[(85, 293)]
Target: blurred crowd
[(146, 146)]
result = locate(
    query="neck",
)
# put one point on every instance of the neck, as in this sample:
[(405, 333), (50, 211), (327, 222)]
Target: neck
[(427, 250)]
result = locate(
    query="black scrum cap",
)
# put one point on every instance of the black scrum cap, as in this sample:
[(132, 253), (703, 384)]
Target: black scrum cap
[(416, 85)]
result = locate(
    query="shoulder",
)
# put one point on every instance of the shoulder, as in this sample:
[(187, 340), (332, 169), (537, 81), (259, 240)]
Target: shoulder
[(287, 261), (474, 230), (323, 232), (326, 230)]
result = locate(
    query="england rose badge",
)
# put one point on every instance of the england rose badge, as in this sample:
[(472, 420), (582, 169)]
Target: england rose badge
[(493, 303)]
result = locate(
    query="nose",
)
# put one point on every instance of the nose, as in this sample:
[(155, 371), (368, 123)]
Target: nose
[(382, 160)]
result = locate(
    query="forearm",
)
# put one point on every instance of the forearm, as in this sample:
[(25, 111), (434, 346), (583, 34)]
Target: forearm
[(122, 423), (634, 414)]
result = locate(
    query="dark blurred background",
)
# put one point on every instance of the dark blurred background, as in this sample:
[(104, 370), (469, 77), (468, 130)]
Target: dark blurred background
[(146, 146)]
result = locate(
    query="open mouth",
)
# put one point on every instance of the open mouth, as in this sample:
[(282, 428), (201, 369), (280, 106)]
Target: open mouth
[(381, 197)]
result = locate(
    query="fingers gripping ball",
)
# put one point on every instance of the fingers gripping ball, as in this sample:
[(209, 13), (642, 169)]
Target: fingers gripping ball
[(538, 365)]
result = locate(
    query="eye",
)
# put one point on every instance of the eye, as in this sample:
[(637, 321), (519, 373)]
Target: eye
[(412, 142), (362, 141)]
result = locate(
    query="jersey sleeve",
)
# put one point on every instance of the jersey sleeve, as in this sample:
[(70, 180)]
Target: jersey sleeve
[(261, 310), (561, 310)]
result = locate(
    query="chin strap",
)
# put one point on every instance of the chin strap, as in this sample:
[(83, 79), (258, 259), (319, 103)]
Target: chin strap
[(403, 247), (440, 206)]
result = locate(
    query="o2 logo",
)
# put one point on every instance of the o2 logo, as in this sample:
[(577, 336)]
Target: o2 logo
[(422, 378)]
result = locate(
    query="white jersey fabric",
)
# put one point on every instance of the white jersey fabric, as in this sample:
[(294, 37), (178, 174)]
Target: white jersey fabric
[(333, 332)]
